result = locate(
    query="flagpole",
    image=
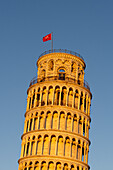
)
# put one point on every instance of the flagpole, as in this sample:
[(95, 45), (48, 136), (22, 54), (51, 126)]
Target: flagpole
[(52, 41)]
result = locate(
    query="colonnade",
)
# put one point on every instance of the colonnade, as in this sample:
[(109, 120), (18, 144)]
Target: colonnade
[(60, 120), (55, 145), (50, 165), (57, 95)]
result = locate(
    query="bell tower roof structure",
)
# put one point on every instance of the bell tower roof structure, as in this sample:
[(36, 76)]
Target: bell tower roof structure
[(57, 118)]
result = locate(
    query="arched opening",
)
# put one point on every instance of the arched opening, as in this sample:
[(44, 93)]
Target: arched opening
[(33, 98), (83, 152), (33, 148), (36, 167), (85, 103), (78, 150), (44, 94), (61, 74), (72, 167), (27, 151), (48, 120), (43, 166), (84, 127), (30, 125), (46, 145), (36, 122), (58, 166), (67, 147), (53, 145), (75, 128), (55, 120), (51, 166), (39, 145), (57, 95), (70, 97), (29, 102), (60, 146), (68, 122), (27, 126), (62, 121), (50, 95), (30, 166), (80, 126), (73, 148), (42, 121), (81, 101), (38, 97), (65, 167), (76, 99), (63, 96)]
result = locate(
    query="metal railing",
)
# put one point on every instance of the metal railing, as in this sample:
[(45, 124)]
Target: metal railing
[(67, 79), (61, 51)]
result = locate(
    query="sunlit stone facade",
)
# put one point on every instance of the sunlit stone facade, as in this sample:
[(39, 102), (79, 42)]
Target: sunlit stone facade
[(57, 118)]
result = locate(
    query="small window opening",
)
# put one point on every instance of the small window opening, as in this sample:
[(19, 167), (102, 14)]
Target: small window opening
[(61, 74)]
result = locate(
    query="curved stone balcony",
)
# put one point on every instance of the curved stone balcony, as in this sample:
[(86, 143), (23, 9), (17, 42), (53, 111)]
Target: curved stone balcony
[(67, 79), (61, 51)]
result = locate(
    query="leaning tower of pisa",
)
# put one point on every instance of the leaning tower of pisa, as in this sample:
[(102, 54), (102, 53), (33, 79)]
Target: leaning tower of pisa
[(57, 118)]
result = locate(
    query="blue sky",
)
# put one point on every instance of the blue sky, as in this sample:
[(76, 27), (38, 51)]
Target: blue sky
[(82, 26)]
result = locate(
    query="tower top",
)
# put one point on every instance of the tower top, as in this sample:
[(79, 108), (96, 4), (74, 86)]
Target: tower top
[(61, 64), (61, 51)]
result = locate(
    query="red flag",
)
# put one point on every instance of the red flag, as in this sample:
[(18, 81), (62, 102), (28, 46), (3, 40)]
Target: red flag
[(47, 37)]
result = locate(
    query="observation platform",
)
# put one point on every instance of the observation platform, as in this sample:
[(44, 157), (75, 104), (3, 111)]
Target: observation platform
[(61, 51), (67, 79)]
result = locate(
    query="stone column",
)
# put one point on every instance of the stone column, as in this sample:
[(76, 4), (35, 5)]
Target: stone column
[(71, 123), (88, 129), (25, 148), (32, 128), (35, 145), (46, 97), (81, 151), (86, 157), (58, 120), (70, 148), (49, 145), (29, 152), (85, 127), (56, 148), (77, 124), (84, 153), (38, 121), (78, 101), (35, 100), (60, 96), (73, 99), (31, 102), (53, 95), (87, 104), (83, 101), (82, 125), (40, 97), (66, 96), (76, 148), (28, 125)]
